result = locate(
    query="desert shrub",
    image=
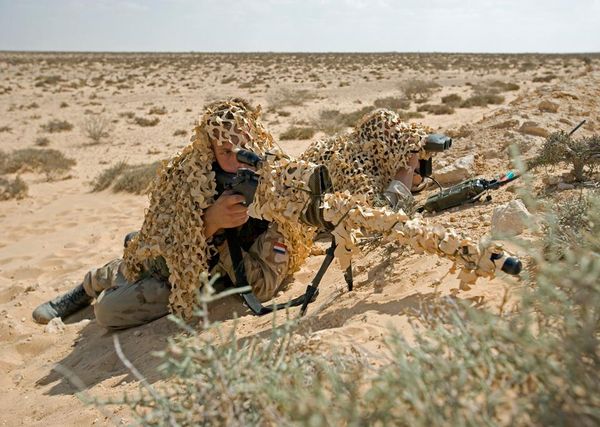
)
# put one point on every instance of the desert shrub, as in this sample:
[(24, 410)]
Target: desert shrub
[(582, 154), (482, 100), (436, 109), (127, 178), (289, 98), (544, 79), (180, 132), (534, 362), (158, 110), (56, 125), (407, 115), (144, 122), (295, 132), (332, 121), (504, 87), (42, 141), (5, 129), (13, 189), (63, 105), (419, 90), (127, 114), (96, 128), (392, 103), (42, 81), (43, 160), (453, 100)]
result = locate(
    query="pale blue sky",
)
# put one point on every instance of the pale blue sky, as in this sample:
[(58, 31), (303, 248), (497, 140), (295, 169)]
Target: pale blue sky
[(308, 25)]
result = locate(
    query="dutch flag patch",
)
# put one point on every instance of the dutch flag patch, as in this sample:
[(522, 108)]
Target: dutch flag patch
[(280, 251)]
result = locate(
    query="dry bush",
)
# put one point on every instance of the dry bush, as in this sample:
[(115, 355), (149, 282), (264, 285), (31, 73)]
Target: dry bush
[(158, 110), (289, 98), (504, 87), (5, 129), (436, 109), (180, 132), (127, 114), (96, 128), (295, 132), (407, 115), (127, 178), (544, 79), (332, 121), (144, 122), (482, 100), (42, 141), (582, 154), (43, 81), (392, 103), (41, 160), (63, 105), (453, 100), (56, 125), (419, 90), (535, 362), (13, 189)]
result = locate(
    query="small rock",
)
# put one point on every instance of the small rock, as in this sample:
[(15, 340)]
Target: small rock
[(460, 170), (547, 106), (510, 219), (137, 334), (54, 326), (532, 128), (507, 124), (564, 186), (550, 179)]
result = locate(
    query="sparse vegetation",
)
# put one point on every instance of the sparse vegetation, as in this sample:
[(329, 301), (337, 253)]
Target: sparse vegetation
[(582, 154), (41, 160), (5, 129), (533, 362), (332, 121), (392, 103), (13, 189), (295, 132), (56, 125), (419, 90), (96, 128), (436, 109), (482, 100), (453, 100), (145, 122), (158, 110), (544, 79), (127, 178), (42, 141), (289, 98), (180, 132)]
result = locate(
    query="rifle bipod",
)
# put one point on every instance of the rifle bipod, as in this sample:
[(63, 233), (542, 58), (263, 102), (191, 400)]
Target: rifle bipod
[(311, 290)]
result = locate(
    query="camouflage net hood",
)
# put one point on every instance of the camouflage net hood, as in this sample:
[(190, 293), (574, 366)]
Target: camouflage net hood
[(366, 160), (185, 186)]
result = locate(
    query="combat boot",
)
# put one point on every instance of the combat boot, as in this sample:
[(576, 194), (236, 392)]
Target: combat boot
[(62, 306)]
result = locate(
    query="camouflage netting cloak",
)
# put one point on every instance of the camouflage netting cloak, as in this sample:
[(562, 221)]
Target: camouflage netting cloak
[(185, 186), (365, 161)]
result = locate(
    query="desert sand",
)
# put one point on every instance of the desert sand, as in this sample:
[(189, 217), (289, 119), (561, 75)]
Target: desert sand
[(61, 228)]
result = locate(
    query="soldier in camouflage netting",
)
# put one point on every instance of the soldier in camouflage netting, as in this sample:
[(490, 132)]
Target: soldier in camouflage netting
[(376, 159), (180, 236), (179, 239)]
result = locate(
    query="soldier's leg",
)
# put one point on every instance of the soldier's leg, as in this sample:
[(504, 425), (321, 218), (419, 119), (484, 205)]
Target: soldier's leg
[(132, 304)]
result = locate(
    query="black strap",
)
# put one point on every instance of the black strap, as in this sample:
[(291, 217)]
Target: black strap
[(241, 281)]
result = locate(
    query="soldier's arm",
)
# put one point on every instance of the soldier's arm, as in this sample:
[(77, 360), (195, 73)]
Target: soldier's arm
[(266, 263)]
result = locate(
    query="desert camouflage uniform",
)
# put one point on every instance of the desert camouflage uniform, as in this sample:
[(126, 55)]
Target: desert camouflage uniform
[(121, 304)]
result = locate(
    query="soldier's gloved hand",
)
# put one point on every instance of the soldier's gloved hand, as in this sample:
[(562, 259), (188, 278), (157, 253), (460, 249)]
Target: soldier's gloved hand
[(228, 211)]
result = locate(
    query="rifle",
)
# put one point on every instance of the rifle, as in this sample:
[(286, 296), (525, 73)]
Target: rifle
[(431, 239), (469, 191)]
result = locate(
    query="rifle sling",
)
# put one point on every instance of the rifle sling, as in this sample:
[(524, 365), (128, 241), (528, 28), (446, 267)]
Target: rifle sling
[(252, 301)]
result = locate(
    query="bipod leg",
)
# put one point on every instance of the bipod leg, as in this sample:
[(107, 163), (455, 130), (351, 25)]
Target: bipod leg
[(312, 289), (349, 278)]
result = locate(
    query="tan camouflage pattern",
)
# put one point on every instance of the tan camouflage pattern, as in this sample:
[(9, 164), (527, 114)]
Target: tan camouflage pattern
[(366, 160), (185, 186), (265, 267)]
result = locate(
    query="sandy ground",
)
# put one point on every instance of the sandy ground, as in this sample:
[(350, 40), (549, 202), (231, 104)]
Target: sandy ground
[(52, 237)]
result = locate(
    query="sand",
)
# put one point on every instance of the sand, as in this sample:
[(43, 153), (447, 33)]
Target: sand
[(62, 228)]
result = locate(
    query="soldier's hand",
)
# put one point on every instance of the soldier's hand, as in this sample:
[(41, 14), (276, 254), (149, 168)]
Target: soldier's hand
[(228, 211)]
